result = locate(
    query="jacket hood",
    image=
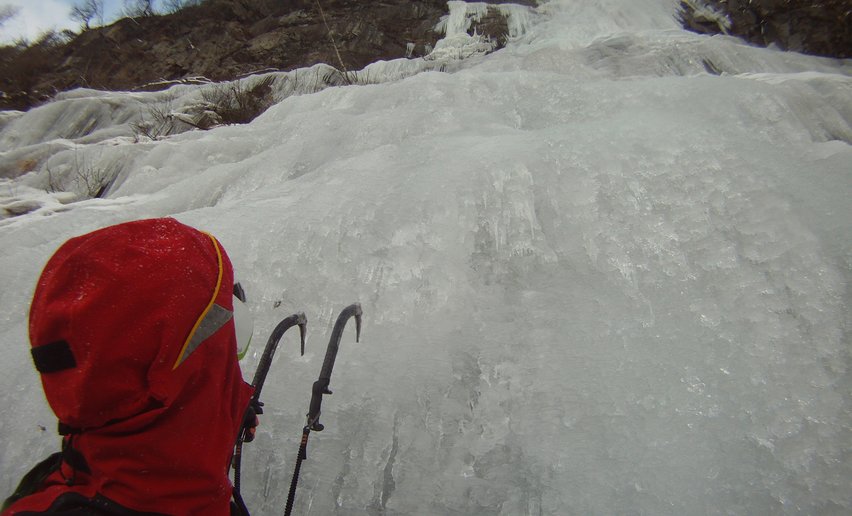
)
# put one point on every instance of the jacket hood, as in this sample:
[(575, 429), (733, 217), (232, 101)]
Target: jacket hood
[(132, 331)]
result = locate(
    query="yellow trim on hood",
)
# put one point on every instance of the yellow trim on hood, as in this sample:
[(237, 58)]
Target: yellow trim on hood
[(198, 322)]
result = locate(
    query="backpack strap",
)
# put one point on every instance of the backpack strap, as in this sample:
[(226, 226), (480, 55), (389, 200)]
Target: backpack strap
[(32, 482)]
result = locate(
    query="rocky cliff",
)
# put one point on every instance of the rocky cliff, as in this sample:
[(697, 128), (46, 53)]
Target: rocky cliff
[(224, 39), (821, 27)]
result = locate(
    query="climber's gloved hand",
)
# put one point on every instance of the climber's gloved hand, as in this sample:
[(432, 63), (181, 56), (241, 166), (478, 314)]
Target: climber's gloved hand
[(251, 421)]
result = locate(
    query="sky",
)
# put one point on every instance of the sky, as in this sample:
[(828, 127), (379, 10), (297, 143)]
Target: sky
[(37, 16)]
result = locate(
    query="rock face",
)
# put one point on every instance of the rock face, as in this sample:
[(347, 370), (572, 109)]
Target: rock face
[(224, 39), (821, 27)]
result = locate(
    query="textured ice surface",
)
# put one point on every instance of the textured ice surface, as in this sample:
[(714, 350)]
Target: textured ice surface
[(599, 275)]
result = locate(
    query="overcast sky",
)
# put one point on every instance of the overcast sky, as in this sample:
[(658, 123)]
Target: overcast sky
[(38, 16)]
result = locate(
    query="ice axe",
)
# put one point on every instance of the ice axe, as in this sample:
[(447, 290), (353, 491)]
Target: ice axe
[(320, 388), (255, 406)]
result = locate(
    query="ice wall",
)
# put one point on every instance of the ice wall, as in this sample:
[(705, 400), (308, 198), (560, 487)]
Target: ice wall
[(463, 14), (604, 270)]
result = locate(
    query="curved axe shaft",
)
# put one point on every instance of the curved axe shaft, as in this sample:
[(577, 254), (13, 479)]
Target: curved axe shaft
[(320, 386), (254, 403), (272, 344)]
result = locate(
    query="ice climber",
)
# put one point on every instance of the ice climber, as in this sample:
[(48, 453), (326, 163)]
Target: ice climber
[(132, 332)]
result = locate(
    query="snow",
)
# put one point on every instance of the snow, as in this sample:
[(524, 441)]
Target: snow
[(599, 276)]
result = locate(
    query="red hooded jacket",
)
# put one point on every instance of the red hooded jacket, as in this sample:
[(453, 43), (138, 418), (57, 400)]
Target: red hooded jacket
[(132, 331)]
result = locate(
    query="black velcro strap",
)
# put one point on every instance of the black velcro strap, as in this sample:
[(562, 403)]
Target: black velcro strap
[(68, 429), (53, 357)]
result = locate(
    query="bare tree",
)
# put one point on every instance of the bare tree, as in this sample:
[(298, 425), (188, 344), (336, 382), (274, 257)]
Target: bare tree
[(139, 8), (173, 6), (88, 10), (8, 12)]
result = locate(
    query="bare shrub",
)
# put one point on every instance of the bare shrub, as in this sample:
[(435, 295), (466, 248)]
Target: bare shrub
[(159, 123), (247, 7), (231, 103), (91, 181), (173, 6), (86, 179), (23, 63), (87, 10), (53, 184), (7, 12), (139, 8), (236, 104)]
